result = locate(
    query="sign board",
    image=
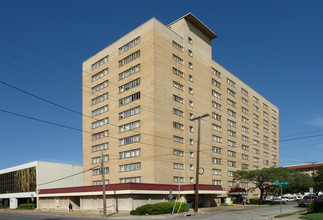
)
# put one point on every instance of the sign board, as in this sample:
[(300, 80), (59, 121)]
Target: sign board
[(170, 196), (281, 183), (311, 190)]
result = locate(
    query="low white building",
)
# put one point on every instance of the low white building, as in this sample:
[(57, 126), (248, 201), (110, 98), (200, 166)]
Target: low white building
[(20, 184)]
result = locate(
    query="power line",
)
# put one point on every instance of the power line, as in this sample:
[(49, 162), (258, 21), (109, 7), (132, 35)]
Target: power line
[(292, 139)]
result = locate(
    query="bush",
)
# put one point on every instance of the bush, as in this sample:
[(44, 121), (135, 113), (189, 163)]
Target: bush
[(315, 207), (254, 201), (3, 207), (159, 208), (27, 206)]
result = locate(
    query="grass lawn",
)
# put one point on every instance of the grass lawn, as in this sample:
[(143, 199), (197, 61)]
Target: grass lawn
[(313, 216), (289, 214)]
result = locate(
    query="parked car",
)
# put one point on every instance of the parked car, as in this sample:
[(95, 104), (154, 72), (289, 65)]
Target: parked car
[(278, 199), (306, 199)]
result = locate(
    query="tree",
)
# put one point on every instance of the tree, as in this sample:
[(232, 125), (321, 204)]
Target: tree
[(298, 182), (318, 179), (265, 179)]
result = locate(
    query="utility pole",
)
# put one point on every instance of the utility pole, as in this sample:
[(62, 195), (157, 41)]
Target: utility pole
[(196, 208), (103, 186)]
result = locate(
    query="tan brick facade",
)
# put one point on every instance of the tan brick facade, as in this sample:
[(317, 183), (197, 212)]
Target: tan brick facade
[(168, 149)]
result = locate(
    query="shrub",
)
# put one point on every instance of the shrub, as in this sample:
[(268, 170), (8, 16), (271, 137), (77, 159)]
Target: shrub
[(309, 207), (27, 206), (254, 201), (318, 206), (159, 208), (3, 207)]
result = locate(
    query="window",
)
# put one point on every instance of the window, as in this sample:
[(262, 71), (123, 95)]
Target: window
[(245, 166), (96, 172), (266, 162), (217, 150), (216, 138), (232, 163), (99, 182), (190, 103), (178, 179), (129, 167), (100, 123), (232, 133), (245, 147), (178, 125), (177, 46), (230, 173), (177, 59), (231, 183), (245, 138), (244, 101), (178, 112), (266, 130), (244, 110), (217, 161), (274, 142), (179, 166), (190, 91), (216, 127), (244, 184), (129, 126), (255, 151), (256, 159), (216, 94), (190, 65), (255, 117), (255, 99), (255, 142), (129, 45), (129, 140), (274, 149), (216, 182), (129, 85), (191, 129), (255, 108), (178, 72), (129, 153), (191, 154), (231, 83), (265, 106), (191, 167), (178, 99), (265, 114), (274, 111), (274, 164), (255, 125), (245, 120), (100, 62), (274, 157), (274, 134), (190, 41), (216, 105), (129, 99), (98, 159), (190, 78), (100, 98), (216, 116), (266, 146), (215, 72), (266, 154), (274, 119), (232, 103), (100, 147), (232, 123), (129, 58), (100, 74), (245, 92), (245, 129), (100, 135), (245, 157), (230, 92), (178, 152), (136, 179), (129, 112), (216, 83), (216, 172), (265, 122), (231, 153), (191, 142), (266, 138), (178, 139), (232, 143), (100, 110), (129, 72), (255, 133), (231, 113), (274, 127), (190, 53), (178, 85)]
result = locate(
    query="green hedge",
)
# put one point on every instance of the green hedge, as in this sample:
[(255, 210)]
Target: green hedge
[(254, 201), (3, 207), (27, 206), (159, 208), (315, 207)]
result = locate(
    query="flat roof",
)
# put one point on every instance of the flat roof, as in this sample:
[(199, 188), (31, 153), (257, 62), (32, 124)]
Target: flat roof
[(197, 23), (304, 166)]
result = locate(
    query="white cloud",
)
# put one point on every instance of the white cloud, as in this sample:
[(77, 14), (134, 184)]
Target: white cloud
[(317, 122)]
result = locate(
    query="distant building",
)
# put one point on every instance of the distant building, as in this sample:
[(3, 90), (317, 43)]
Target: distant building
[(20, 184), (305, 168)]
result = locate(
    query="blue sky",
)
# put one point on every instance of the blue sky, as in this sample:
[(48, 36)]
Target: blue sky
[(273, 46)]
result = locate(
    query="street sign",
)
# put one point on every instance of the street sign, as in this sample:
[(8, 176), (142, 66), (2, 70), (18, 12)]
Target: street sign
[(281, 183), (170, 196)]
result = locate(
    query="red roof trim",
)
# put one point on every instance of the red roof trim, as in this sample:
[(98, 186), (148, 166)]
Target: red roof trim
[(296, 167), (130, 186)]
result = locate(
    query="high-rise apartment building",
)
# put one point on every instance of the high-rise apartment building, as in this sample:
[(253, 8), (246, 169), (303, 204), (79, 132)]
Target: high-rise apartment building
[(139, 95)]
